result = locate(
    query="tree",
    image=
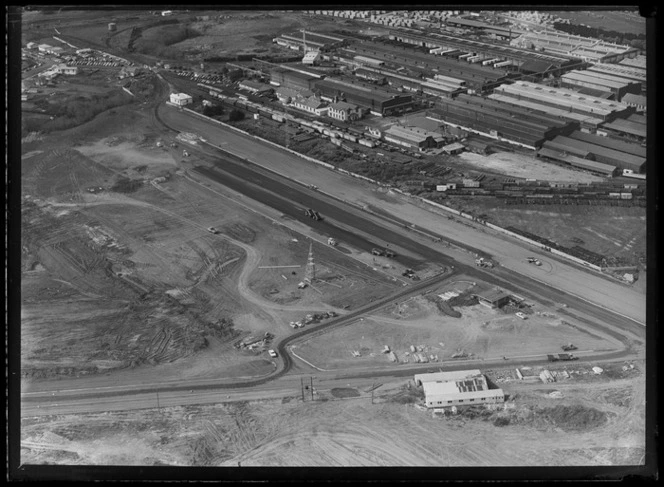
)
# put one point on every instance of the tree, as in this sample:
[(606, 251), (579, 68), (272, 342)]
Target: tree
[(213, 110), (236, 115)]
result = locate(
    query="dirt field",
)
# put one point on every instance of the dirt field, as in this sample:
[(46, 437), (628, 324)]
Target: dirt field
[(145, 284), (595, 420), (521, 166), (479, 333)]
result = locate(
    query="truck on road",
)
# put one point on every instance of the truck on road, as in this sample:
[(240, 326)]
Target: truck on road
[(561, 357)]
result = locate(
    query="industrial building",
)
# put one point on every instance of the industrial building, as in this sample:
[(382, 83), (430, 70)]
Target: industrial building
[(565, 99), (620, 71), (497, 119), (603, 154), (413, 137), (627, 128), (477, 77), (64, 69), (458, 388), (255, 87), (307, 40), (285, 95), (638, 102), (379, 101), (638, 62), (311, 105), (493, 298), (606, 170), (612, 143), (600, 81), (521, 59), (312, 58), (292, 78), (181, 99), (344, 112), (585, 48)]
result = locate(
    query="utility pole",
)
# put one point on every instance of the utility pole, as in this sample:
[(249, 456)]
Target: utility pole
[(312, 387), (302, 388), (373, 388)]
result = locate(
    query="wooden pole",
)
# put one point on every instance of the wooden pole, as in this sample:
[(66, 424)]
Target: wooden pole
[(312, 387), (302, 388)]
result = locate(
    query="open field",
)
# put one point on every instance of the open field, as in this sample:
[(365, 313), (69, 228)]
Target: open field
[(628, 22), (596, 420), (479, 333)]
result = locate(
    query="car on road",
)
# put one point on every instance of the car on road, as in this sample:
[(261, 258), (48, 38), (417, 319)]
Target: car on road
[(533, 260), (213, 230), (272, 353)]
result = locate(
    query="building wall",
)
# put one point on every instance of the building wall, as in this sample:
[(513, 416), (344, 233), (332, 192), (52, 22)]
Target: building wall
[(437, 401)]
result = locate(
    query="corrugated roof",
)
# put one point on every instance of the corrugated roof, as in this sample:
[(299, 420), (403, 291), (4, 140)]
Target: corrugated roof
[(577, 161), (627, 127), (611, 143), (446, 376), (600, 151)]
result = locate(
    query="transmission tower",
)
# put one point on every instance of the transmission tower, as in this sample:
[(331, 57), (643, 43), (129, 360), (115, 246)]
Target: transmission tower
[(310, 270)]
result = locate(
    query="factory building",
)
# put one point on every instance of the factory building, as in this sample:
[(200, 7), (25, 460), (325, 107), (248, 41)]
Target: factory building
[(181, 99), (627, 128), (477, 77), (344, 112), (620, 71), (584, 48), (638, 62), (291, 78), (564, 99), (638, 102), (68, 70), (600, 81), (586, 123), (612, 143), (605, 170), (413, 137), (379, 101), (285, 95), (516, 56), (312, 58), (370, 75), (603, 154), (496, 119), (312, 105), (254, 87), (458, 388)]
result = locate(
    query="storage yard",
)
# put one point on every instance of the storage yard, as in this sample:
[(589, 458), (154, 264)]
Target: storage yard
[(246, 234)]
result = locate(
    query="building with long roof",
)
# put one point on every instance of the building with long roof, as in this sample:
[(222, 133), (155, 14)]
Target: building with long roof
[(606, 170), (587, 49), (604, 154), (564, 99), (600, 81), (379, 101), (413, 137)]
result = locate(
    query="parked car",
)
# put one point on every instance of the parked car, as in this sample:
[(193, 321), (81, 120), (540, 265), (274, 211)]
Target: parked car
[(272, 353)]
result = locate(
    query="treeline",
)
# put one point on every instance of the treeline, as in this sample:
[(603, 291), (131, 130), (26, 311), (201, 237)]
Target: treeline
[(634, 40)]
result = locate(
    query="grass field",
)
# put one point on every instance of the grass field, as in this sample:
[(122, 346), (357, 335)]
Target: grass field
[(629, 22)]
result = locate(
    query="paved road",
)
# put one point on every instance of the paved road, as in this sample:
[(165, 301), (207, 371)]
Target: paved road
[(511, 254)]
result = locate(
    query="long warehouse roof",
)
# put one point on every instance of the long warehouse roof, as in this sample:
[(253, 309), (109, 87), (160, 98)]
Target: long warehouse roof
[(613, 83), (598, 150), (622, 125), (522, 113), (611, 143), (577, 161), (532, 105), (562, 97)]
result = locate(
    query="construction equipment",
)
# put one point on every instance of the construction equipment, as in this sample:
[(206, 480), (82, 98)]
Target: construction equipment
[(185, 153), (313, 214), (377, 251), (332, 242), (569, 347)]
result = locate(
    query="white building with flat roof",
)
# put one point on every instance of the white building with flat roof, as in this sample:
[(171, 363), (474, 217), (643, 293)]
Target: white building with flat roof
[(458, 388), (181, 99)]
